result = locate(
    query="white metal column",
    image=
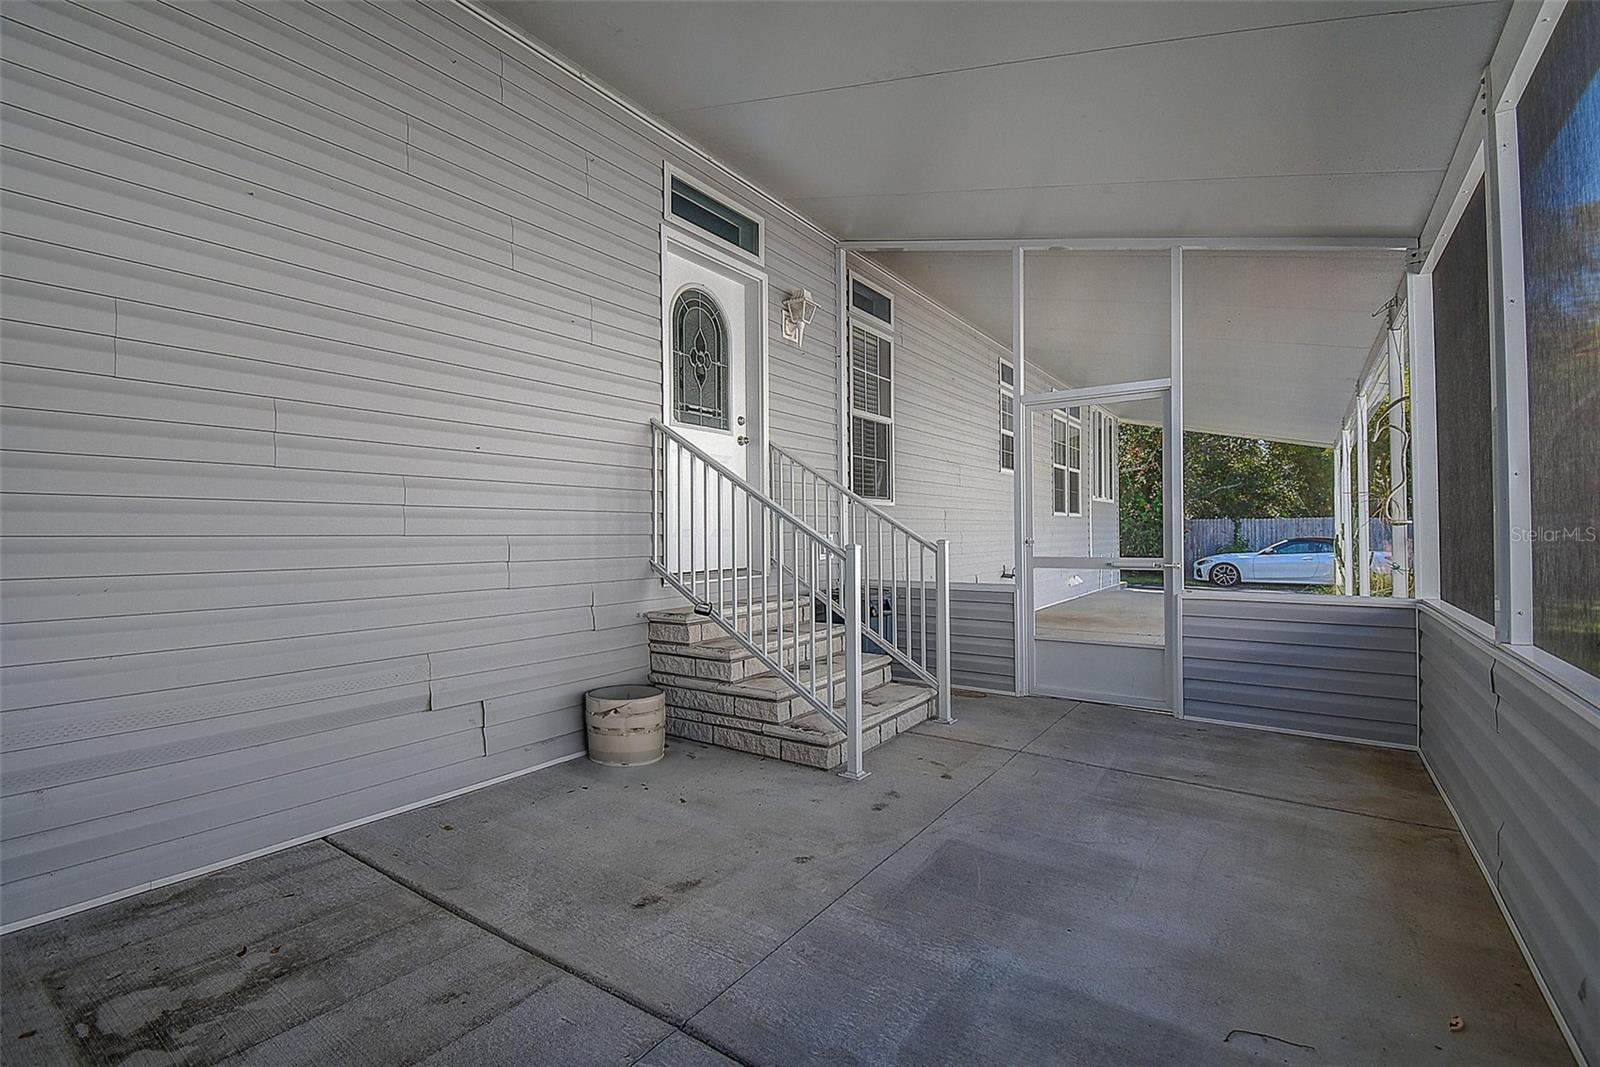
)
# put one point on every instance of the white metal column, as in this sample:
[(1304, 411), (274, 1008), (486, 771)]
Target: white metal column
[(1424, 439), (1363, 562), (1508, 340), (1398, 513), (1022, 484), (1173, 569)]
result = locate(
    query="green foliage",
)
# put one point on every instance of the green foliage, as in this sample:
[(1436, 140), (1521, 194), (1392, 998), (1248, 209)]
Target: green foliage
[(1223, 477)]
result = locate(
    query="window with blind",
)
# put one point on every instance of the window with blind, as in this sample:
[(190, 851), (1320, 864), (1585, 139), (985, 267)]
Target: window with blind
[(1465, 429), (871, 413), (1066, 464), (1558, 135), (1008, 417)]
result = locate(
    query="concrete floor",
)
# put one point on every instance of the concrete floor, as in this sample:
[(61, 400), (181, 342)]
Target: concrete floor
[(1042, 882), (1117, 616)]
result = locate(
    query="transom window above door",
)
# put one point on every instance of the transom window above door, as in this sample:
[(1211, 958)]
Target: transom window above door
[(699, 361), (713, 215)]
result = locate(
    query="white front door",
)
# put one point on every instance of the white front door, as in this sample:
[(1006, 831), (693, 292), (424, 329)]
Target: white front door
[(713, 388)]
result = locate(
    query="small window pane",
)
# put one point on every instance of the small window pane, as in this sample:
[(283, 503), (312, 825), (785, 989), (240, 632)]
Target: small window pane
[(714, 217), (1059, 485), (1008, 375), (699, 361), (865, 298), (870, 457), (870, 373)]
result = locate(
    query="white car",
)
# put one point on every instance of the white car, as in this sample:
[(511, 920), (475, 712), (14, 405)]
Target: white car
[(1296, 561)]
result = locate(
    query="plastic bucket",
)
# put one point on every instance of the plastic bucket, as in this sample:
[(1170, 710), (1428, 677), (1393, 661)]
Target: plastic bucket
[(627, 724)]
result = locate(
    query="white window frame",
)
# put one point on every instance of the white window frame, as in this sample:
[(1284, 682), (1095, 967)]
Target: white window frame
[(1106, 430), (883, 326), (1489, 151), (1008, 391), (869, 324), (1072, 426), (669, 172)]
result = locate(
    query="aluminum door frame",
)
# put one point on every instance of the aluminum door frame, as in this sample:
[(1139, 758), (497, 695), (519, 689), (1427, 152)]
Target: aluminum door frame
[(1170, 563)]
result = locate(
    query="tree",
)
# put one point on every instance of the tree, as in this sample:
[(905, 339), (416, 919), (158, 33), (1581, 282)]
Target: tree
[(1223, 477)]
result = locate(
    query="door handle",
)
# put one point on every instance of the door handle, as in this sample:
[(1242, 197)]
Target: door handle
[(743, 440)]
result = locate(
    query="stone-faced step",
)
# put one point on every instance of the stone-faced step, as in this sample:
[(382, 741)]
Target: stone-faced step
[(764, 697), (685, 626), (726, 659), (809, 739)]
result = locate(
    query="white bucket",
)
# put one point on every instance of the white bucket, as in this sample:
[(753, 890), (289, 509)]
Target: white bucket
[(627, 724)]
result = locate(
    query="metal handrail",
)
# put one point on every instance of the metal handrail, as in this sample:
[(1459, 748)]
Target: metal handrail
[(860, 501), (818, 498), (715, 538)]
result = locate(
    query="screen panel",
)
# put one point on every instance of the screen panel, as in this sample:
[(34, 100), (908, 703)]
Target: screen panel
[(1558, 130), (1463, 387)]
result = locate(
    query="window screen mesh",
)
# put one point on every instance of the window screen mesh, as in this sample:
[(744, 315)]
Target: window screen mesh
[(1558, 127), (1465, 428)]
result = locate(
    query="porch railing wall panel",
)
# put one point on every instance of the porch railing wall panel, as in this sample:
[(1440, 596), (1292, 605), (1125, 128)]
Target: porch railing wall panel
[(1320, 667), (331, 335), (1519, 760)]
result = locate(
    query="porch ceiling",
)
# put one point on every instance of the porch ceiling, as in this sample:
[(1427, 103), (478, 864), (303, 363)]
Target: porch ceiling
[(1274, 344), (1326, 117)]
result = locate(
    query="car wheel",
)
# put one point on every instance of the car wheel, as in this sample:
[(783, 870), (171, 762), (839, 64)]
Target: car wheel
[(1224, 575)]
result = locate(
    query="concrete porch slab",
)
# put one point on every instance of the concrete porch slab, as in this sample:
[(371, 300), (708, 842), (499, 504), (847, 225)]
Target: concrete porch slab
[(970, 902), (303, 957), (1070, 914), (669, 881), (1388, 782)]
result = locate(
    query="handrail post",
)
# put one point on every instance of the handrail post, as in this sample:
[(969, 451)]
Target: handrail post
[(941, 599), (852, 665)]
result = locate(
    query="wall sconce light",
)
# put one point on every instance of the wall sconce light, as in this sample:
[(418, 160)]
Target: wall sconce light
[(798, 309)]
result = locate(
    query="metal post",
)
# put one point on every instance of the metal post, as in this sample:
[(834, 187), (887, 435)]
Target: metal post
[(1363, 500), (1424, 439), (1399, 474), (1022, 483), (853, 560), (1508, 340), (941, 595), (1346, 535), (1172, 571)]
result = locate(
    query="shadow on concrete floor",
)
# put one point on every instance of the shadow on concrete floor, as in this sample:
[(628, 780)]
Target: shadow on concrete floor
[(1043, 882)]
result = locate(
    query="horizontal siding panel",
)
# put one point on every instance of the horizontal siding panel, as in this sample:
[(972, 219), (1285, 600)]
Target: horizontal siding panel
[(372, 784), (1336, 669), (1519, 759), (72, 557), (329, 353), (267, 786), (197, 705), (43, 472), (37, 600), (1300, 722)]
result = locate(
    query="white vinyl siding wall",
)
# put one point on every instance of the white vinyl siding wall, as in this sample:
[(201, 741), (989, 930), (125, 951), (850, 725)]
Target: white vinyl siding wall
[(330, 338), (948, 479)]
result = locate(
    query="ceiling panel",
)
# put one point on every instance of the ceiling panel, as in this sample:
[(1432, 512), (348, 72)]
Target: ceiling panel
[(1273, 344), (1020, 119)]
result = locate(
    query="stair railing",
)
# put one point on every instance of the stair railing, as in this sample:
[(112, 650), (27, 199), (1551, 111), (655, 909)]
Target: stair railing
[(902, 568), (758, 570)]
